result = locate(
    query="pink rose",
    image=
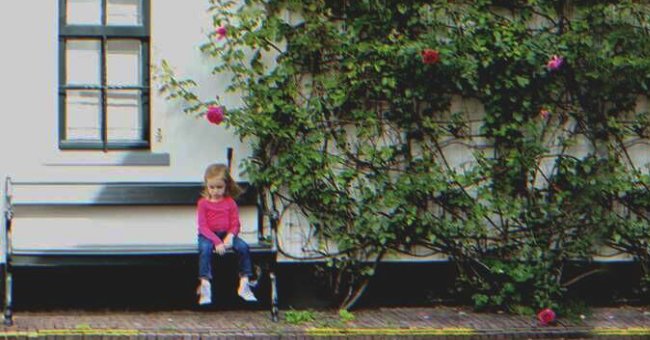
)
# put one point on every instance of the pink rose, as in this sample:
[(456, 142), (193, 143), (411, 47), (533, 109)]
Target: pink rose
[(555, 62), (430, 56), (215, 114), (221, 32), (546, 316), (544, 113)]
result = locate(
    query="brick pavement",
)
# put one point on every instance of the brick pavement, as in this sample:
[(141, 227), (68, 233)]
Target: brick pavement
[(378, 323)]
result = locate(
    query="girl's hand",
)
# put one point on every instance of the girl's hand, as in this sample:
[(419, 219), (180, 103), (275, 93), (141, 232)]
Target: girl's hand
[(220, 249), (227, 241)]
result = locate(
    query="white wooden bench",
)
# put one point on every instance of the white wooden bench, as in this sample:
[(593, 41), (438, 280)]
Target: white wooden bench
[(45, 201)]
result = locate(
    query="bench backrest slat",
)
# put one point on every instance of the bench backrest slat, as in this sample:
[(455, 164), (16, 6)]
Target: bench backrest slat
[(134, 193)]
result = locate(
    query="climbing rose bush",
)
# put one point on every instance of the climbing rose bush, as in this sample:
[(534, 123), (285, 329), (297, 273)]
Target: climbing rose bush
[(413, 127)]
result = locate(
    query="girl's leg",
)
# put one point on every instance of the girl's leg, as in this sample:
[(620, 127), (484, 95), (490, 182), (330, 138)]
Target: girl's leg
[(243, 256), (205, 270), (245, 269), (205, 258)]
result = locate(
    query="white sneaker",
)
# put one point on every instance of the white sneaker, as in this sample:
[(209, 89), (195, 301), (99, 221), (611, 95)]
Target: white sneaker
[(258, 274), (205, 293), (245, 293)]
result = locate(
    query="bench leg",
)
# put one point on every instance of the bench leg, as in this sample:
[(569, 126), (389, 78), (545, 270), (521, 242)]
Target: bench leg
[(274, 297), (8, 313)]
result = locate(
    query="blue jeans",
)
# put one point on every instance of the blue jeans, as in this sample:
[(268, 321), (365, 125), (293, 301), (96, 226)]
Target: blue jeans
[(206, 249)]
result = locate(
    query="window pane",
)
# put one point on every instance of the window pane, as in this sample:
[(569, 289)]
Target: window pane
[(82, 115), (124, 115), (123, 62), (84, 12), (124, 12), (82, 61)]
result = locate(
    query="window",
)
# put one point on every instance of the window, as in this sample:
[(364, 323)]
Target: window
[(104, 74)]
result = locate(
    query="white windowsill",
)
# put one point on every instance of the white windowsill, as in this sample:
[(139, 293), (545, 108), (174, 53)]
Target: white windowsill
[(94, 158)]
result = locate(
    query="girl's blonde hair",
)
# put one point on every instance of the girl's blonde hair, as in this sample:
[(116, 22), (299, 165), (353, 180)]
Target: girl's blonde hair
[(220, 171)]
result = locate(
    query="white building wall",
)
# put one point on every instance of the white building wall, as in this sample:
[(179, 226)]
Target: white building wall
[(29, 130), (29, 126)]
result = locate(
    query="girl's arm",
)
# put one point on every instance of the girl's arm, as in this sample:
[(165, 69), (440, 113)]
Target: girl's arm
[(234, 219), (201, 211)]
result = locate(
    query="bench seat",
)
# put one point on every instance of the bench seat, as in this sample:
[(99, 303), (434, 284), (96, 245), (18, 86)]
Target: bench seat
[(131, 249), (116, 255)]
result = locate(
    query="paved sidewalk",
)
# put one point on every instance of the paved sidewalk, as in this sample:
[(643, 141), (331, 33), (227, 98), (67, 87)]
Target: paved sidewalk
[(380, 323)]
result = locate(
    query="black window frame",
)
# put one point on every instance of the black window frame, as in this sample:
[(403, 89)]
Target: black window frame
[(104, 32)]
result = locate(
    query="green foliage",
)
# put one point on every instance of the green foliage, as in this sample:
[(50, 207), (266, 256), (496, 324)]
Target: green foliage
[(510, 167), (574, 310), (346, 316), (296, 317)]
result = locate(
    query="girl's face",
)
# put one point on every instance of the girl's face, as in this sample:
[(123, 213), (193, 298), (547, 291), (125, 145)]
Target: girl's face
[(216, 188)]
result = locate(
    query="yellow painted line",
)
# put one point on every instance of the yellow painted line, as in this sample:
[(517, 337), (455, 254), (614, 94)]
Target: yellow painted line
[(317, 331), (621, 331), (89, 331), (390, 331)]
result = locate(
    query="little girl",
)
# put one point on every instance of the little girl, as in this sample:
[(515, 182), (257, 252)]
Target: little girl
[(218, 219)]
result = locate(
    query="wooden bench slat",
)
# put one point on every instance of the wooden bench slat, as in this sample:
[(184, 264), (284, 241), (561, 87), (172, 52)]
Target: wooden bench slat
[(109, 193), (67, 257)]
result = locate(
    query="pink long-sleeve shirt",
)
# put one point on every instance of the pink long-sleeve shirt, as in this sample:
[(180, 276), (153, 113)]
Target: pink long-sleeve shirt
[(215, 217)]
